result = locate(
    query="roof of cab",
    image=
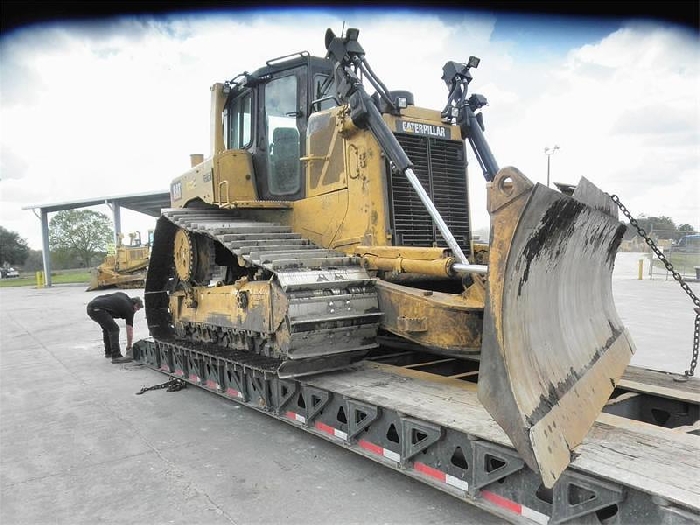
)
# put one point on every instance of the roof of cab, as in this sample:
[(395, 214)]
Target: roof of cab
[(286, 62)]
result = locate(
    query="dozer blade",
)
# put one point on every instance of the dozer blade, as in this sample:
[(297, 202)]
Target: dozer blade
[(94, 281), (553, 345), (101, 280)]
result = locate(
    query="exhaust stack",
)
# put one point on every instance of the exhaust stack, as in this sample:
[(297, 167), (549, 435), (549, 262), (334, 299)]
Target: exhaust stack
[(195, 159)]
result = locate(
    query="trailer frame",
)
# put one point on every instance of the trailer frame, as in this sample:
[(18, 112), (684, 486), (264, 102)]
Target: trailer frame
[(473, 459)]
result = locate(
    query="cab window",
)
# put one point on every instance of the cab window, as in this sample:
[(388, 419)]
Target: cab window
[(237, 121), (283, 152), (324, 92)]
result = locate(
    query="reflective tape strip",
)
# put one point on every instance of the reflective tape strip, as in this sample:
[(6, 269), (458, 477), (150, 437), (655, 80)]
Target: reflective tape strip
[(457, 483), (234, 393), (535, 516), (195, 378), (441, 476), (391, 455), (430, 471), (179, 373), (296, 417), (211, 384), (380, 451), (517, 508), (331, 430), (501, 501)]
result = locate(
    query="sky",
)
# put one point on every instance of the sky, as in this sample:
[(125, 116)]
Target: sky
[(116, 106)]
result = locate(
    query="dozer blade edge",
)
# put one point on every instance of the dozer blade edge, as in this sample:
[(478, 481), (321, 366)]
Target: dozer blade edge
[(553, 345)]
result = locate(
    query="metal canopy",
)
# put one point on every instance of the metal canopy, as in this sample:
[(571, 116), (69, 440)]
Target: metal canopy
[(147, 203)]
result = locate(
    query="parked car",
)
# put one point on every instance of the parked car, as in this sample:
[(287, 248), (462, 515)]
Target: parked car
[(688, 243), (8, 273)]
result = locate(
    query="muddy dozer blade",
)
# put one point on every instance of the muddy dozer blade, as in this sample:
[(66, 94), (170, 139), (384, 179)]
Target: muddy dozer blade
[(553, 345), (94, 281), (101, 280)]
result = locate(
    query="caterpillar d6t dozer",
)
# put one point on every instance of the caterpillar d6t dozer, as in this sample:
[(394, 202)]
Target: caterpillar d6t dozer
[(125, 268), (327, 224)]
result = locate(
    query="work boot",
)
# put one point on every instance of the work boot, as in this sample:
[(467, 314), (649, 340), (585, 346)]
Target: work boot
[(121, 359)]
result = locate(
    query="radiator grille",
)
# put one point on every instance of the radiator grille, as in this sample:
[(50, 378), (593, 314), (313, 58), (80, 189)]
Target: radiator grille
[(440, 165)]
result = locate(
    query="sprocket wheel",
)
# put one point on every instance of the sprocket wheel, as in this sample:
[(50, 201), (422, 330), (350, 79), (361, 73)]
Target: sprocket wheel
[(184, 253), (194, 257)]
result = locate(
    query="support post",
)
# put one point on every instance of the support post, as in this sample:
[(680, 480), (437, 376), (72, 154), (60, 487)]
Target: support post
[(45, 254), (549, 152), (117, 219)]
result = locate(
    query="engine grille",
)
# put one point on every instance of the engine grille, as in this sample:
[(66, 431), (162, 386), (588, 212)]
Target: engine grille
[(440, 165)]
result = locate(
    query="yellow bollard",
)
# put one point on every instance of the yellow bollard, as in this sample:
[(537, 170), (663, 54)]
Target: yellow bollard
[(40, 279), (641, 269)]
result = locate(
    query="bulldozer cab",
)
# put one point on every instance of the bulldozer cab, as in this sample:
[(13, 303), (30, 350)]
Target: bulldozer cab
[(267, 115), (135, 239)]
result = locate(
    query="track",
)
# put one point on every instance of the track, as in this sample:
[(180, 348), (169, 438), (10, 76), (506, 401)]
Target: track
[(330, 315)]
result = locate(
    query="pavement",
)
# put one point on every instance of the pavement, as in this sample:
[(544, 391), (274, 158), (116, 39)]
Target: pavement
[(657, 312), (77, 445)]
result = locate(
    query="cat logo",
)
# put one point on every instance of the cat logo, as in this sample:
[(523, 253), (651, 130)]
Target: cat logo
[(416, 128), (176, 191)]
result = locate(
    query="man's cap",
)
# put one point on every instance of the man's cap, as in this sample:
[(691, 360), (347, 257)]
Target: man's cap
[(137, 301)]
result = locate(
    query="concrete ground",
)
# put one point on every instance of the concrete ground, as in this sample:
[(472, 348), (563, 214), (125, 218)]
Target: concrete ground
[(657, 313), (78, 446)]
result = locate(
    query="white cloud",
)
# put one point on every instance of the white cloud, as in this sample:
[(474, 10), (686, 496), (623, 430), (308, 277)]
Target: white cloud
[(626, 113), (90, 111)]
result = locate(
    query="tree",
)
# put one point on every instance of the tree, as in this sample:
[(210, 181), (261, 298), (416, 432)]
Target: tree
[(82, 233), (656, 227), (659, 228), (13, 248), (34, 262), (64, 259)]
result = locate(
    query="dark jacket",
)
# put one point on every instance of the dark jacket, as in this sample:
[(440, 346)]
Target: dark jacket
[(117, 305)]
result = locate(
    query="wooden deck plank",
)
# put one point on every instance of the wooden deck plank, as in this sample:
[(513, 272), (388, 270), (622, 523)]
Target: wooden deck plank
[(661, 384), (655, 460)]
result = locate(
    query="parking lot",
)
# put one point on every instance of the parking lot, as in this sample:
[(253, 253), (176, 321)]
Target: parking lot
[(77, 445)]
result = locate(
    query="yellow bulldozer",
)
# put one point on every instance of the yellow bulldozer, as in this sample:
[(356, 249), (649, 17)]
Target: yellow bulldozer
[(125, 266), (327, 224)]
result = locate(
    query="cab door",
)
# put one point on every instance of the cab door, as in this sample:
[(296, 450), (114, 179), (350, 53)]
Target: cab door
[(282, 127)]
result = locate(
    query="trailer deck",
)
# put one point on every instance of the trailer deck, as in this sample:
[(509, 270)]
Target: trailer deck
[(421, 416)]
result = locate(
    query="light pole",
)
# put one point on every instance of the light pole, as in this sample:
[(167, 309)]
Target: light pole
[(549, 152)]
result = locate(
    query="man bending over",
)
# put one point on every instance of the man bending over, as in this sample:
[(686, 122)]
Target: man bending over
[(103, 309)]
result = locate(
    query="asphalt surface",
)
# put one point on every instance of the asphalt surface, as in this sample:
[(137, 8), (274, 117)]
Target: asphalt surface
[(78, 446)]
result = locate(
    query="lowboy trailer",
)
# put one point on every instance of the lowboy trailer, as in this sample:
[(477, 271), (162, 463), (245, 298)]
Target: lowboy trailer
[(419, 414)]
